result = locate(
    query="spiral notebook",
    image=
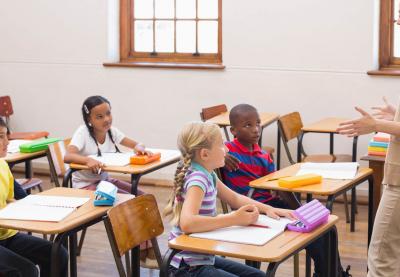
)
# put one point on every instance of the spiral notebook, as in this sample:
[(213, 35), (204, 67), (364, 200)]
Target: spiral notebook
[(42, 208)]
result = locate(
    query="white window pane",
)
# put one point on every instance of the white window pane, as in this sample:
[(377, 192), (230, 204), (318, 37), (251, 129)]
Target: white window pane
[(208, 37), (143, 8), (396, 30), (208, 9), (164, 36), (186, 9), (186, 36), (164, 8), (143, 36)]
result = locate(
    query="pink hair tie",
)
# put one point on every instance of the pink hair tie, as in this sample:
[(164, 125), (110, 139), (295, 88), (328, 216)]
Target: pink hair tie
[(179, 198)]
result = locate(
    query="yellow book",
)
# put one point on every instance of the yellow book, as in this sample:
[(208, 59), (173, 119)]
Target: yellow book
[(299, 181), (376, 149)]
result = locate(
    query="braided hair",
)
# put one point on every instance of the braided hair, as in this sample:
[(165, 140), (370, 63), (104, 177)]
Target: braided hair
[(193, 137), (87, 106)]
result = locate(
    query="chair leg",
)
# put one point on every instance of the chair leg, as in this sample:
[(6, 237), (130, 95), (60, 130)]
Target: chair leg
[(157, 252), (346, 207), (40, 188), (296, 271), (80, 243)]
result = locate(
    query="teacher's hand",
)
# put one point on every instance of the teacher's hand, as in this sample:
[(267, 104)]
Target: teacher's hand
[(361, 126)]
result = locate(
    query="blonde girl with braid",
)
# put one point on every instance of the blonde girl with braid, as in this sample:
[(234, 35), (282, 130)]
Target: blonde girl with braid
[(98, 136), (192, 207)]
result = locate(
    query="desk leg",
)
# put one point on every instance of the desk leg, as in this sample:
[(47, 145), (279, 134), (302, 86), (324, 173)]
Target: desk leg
[(353, 209), (329, 202), (331, 143), (55, 250), (28, 169), (72, 254), (271, 270), (332, 252), (371, 206), (166, 261), (135, 263), (377, 167), (135, 182)]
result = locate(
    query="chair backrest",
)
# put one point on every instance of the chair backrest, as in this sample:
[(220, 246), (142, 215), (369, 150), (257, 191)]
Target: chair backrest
[(290, 127), (210, 112), (6, 109), (131, 223), (56, 153)]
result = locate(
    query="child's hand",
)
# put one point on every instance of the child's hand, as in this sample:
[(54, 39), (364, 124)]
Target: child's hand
[(140, 149), (231, 162), (246, 215), (277, 213), (94, 165)]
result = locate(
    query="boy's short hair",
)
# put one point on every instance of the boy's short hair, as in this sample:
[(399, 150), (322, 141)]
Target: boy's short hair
[(238, 110)]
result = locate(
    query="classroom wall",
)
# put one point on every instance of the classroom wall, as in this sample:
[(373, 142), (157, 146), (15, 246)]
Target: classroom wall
[(311, 56)]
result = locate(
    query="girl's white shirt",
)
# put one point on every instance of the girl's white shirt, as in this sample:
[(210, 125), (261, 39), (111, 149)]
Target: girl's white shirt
[(87, 146)]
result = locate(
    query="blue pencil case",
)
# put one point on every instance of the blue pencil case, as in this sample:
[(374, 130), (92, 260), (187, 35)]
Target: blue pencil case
[(105, 194)]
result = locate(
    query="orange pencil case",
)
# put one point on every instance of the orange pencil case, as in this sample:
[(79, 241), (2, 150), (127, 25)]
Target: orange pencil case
[(299, 181), (144, 159)]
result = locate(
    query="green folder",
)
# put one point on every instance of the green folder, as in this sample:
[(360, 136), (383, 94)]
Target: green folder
[(37, 145)]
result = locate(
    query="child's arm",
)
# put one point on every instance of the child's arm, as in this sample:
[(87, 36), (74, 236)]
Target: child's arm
[(139, 148), (73, 156), (236, 200), (191, 221)]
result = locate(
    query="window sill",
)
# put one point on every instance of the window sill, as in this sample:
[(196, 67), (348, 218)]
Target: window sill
[(166, 65), (385, 72)]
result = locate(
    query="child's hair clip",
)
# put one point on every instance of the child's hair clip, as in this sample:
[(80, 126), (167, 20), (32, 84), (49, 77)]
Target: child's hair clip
[(86, 109)]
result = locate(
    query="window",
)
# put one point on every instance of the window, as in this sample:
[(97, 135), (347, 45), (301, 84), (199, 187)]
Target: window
[(171, 33), (389, 39)]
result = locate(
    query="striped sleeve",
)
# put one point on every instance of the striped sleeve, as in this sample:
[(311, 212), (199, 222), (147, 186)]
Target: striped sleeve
[(196, 179)]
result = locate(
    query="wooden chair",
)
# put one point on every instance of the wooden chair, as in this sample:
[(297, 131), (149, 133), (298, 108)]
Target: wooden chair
[(128, 225), (290, 128), (55, 155), (27, 184)]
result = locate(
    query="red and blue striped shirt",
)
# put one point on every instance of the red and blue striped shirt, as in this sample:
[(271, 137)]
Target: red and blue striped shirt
[(253, 165)]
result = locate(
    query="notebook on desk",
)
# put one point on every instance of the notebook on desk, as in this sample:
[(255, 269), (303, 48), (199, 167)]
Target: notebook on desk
[(330, 170), (42, 208), (264, 230)]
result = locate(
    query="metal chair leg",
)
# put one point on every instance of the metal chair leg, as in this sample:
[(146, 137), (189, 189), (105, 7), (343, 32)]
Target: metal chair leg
[(346, 207)]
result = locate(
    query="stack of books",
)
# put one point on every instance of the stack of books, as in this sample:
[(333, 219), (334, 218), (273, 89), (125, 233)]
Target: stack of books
[(378, 145)]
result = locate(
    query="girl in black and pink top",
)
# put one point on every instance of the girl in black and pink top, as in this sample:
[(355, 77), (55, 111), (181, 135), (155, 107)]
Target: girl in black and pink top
[(193, 203)]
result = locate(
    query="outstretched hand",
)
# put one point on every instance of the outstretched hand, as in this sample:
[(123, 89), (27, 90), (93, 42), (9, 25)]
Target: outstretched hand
[(385, 112), (364, 125)]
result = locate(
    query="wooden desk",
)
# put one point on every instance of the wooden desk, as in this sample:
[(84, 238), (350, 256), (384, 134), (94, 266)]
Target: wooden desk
[(83, 217), (376, 163), (168, 157), (328, 126), (15, 158), (274, 252), (328, 187)]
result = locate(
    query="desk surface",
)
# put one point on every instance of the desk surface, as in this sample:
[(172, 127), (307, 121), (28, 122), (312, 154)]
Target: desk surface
[(16, 157), (167, 157), (373, 158), (326, 125), (223, 119), (327, 187), (82, 215), (273, 251)]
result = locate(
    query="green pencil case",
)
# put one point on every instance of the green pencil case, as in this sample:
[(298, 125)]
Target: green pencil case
[(37, 145)]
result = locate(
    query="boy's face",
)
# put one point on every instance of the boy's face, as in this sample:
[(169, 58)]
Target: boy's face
[(247, 128), (3, 142)]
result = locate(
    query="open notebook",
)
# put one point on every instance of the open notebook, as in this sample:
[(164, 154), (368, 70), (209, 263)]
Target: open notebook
[(264, 230), (42, 208), (330, 170)]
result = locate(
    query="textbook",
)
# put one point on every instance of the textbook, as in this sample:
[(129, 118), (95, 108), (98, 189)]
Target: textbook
[(42, 208), (264, 230), (114, 159), (330, 170)]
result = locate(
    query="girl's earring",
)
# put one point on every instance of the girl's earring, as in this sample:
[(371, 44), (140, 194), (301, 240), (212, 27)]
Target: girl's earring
[(90, 124)]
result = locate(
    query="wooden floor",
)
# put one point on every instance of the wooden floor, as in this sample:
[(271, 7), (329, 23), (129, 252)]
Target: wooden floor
[(97, 260)]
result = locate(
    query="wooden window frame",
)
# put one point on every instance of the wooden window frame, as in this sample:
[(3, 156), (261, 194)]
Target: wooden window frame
[(388, 64), (175, 60)]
